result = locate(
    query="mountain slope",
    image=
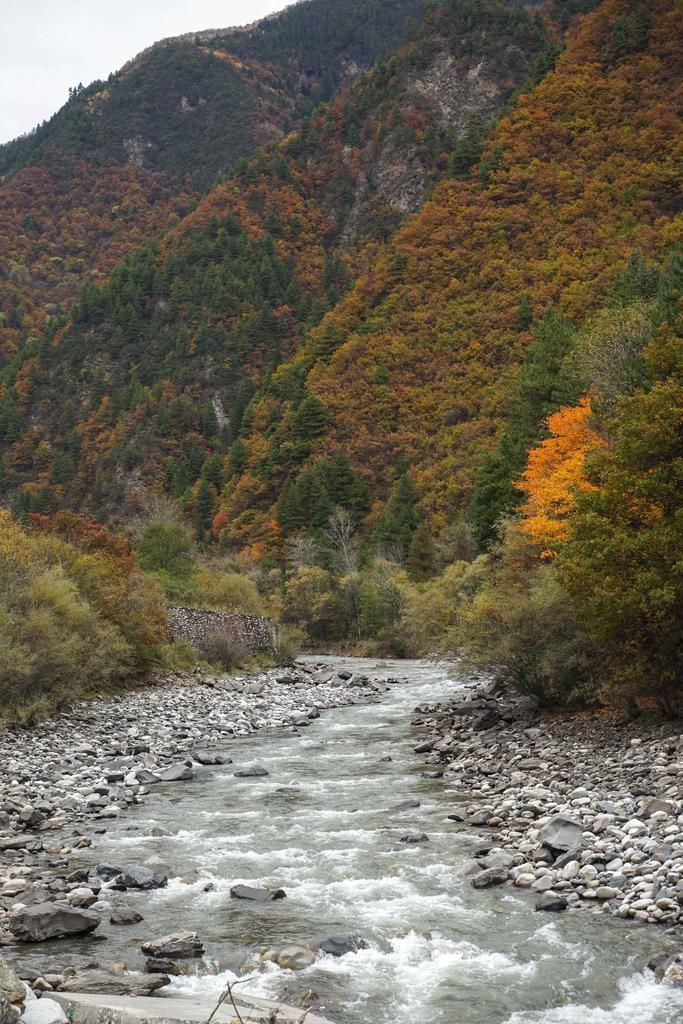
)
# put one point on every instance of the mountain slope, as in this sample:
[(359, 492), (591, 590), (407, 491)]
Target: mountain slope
[(195, 104), (137, 390), (416, 364), (103, 174)]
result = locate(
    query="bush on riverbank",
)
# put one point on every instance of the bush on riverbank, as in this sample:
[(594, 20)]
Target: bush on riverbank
[(76, 613)]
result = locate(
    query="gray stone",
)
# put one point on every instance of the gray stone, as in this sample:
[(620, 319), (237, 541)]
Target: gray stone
[(561, 833), (43, 1011), (125, 915), (258, 895), (51, 921), (294, 958), (137, 876), (551, 901), (655, 805), (489, 877), (414, 838), (177, 773), (255, 772), (487, 720), (496, 859), (11, 985), (9, 1014), (340, 945), (114, 983), (180, 946), (406, 805)]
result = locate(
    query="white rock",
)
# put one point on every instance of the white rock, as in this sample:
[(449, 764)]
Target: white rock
[(43, 1011)]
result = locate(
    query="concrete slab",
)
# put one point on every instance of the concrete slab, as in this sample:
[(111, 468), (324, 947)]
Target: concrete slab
[(84, 1008)]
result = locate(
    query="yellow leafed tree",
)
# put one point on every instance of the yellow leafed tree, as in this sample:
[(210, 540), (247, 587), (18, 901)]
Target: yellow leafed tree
[(555, 471)]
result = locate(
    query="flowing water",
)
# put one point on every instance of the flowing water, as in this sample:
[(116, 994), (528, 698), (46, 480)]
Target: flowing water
[(319, 825)]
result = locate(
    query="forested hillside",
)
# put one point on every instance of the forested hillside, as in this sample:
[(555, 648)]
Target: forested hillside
[(414, 369), (417, 364), (147, 385), (117, 164)]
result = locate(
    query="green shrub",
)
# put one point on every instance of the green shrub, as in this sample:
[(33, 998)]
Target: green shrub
[(75, 616)]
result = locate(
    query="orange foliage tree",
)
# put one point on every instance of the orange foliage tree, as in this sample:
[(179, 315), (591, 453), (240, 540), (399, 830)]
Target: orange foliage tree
[(554, 473)]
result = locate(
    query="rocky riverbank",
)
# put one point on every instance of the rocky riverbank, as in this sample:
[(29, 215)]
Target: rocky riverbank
[(67, 778), (583, 811)]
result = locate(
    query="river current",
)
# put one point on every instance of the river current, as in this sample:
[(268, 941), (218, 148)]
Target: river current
[(320, 826)]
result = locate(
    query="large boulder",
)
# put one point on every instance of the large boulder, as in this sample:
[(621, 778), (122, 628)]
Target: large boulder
[(137, 876), (45, 921), (43, 1011), (561, 833), (340, 945), (114, 983), (181, 945), (257, 894)]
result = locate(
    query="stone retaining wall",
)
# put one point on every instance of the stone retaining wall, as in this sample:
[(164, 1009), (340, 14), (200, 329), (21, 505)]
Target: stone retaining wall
[(198, 625)]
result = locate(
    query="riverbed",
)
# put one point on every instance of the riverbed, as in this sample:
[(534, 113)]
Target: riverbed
[(321, 826)]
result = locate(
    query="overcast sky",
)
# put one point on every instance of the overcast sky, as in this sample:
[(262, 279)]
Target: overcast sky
[(48, 45)]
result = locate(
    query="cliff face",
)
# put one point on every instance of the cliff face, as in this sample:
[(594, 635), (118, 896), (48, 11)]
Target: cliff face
[(124, 396)]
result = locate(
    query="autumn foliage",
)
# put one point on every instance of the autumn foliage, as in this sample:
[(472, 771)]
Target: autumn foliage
[(555, 472)]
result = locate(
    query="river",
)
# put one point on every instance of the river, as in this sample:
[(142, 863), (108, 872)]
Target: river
[(319, 825)]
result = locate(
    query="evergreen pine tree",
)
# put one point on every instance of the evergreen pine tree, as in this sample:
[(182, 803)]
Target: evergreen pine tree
[(203, 509), (421, 554)]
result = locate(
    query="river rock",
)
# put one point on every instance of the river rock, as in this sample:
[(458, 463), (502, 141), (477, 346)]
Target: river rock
[(657, 805), (551, 901), (107, 872), (43, 1011), (340, 945), (114, 983), (405, 805), (414, 838), (561, 833), (125, 915), (158, 965), (487, 720), (178, 946), (137, 876), (489, 877), (255, 772), (293, 958), (495, 858), (177, 773), (203, 757), (258, 895), (44, 921)]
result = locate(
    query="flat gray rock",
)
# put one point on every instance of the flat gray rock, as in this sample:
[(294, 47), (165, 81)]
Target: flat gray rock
[(45, 921), (257, 894)]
